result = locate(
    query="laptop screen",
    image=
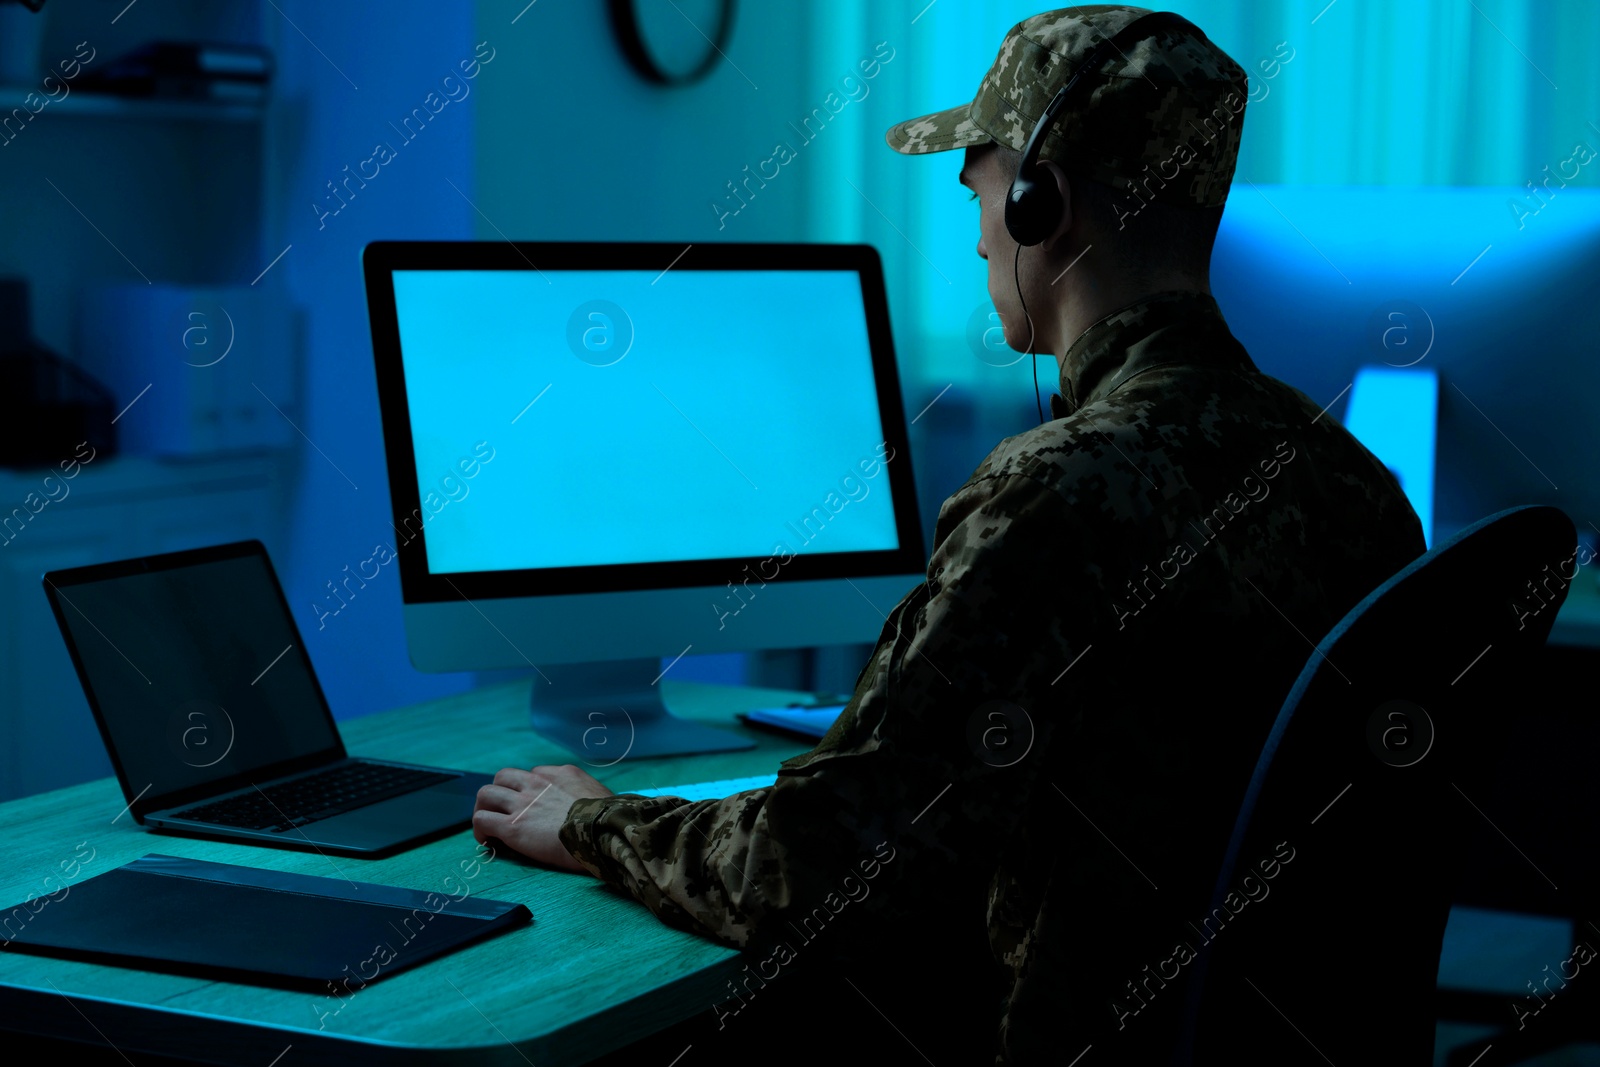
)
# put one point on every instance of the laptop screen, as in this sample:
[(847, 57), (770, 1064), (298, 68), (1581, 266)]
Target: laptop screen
[(195, 670)]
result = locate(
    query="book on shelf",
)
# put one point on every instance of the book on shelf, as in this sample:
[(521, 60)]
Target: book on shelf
[(187, 70)]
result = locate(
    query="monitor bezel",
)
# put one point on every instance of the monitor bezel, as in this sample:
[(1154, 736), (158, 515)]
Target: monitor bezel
[(419, 586), (140, 804)]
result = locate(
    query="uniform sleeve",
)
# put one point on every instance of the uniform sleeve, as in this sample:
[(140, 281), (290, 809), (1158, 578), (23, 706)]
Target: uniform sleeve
[(925, 775)]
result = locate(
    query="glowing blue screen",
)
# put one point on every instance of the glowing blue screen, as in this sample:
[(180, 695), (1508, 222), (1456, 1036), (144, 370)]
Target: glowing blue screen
[(571, 418)]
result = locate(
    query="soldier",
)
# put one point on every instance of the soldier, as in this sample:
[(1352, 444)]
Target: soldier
[(1064, 716)]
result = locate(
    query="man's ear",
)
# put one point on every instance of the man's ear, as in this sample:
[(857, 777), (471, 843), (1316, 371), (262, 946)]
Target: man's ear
[(1064, 186)]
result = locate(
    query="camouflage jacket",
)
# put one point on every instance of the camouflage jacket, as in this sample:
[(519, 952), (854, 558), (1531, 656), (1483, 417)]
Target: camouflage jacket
[(1042, 760)]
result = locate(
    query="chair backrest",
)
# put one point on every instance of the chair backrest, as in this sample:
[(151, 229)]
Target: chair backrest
[(1322, 942)]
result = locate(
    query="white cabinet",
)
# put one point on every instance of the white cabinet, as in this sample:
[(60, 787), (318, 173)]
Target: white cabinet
[(116, 508), (162, 195)]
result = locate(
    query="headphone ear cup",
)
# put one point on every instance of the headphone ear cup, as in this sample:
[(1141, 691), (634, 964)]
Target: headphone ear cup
[(1033, 207)]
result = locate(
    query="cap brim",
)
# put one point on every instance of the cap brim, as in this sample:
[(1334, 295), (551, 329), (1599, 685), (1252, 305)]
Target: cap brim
[(938, 132)]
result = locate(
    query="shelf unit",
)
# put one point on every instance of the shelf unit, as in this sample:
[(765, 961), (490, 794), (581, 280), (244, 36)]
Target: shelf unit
[(78, 103), (98, 190)]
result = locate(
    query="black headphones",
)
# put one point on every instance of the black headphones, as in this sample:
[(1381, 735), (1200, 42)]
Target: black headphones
[(1033, 207)]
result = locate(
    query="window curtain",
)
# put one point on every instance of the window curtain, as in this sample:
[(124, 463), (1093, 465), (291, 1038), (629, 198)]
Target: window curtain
[(1353, 92)]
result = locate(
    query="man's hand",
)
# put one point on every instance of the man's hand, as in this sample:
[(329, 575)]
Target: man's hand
[(525, 809)]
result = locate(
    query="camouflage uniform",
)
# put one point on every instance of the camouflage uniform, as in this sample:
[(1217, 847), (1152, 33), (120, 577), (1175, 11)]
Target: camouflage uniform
[(1041, 762), (1064, 716)]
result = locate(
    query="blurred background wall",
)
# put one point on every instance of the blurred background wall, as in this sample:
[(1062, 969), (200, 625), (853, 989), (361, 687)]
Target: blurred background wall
[(1391, 154)]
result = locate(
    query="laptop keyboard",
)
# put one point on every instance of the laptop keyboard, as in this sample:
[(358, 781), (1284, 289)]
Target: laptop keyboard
[(725, 787), (318, 796)]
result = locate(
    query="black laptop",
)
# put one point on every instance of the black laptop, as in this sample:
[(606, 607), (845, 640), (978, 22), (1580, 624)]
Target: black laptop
[(213, 716)]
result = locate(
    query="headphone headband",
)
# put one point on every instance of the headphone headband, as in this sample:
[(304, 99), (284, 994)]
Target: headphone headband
[(1034, 205)]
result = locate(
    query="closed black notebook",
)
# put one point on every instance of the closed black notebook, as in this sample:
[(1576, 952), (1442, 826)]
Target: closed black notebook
[(245, 924)]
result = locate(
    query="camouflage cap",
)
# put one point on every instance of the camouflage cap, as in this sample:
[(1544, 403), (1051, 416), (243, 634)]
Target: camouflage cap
[(1170, 109)]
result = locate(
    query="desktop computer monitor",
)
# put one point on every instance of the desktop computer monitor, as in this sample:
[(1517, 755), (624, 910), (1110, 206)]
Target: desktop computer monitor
[(604, 455)]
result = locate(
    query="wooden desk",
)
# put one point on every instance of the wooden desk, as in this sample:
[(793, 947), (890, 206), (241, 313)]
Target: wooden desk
[(593, 972)]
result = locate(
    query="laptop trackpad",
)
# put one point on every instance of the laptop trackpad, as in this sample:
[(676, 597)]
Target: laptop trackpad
[(448, 804)]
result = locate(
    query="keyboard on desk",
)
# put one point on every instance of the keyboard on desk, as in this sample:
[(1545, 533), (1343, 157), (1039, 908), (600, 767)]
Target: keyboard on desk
[(323, 795), (725, 787)]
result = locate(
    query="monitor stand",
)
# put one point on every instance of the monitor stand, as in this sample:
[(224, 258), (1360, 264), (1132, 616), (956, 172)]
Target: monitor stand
[(607, 712)]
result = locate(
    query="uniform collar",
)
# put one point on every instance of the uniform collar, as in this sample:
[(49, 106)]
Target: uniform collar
[(1177, 326)]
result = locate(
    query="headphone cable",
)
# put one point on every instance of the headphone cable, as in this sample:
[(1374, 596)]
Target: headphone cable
[(1016, 275)]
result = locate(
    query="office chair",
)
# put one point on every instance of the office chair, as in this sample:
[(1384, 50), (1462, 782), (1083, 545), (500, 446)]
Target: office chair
[(1368, 781)]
